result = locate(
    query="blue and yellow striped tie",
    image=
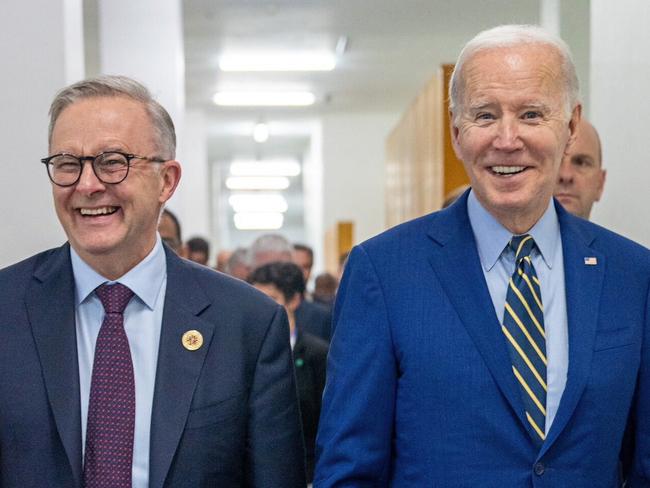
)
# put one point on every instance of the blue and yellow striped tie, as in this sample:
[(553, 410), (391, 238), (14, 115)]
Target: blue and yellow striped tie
[(523, 326)]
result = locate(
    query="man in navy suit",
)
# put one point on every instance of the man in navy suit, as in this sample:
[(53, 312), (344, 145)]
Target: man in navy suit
[(198, 388), (500, 342)]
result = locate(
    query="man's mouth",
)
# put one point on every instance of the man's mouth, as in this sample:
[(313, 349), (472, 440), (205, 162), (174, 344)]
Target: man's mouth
[(93, 212), (507, 170)]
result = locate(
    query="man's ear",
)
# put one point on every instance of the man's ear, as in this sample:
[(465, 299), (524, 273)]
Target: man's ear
[(171, 176), (454, 131), (574, 122)]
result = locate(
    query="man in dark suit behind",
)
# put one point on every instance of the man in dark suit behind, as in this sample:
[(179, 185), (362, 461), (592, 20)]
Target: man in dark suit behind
[(501, 342), (120, 363), (283, 281)]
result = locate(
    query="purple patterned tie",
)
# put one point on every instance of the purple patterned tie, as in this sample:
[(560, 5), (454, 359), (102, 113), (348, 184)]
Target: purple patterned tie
[(111, 409)]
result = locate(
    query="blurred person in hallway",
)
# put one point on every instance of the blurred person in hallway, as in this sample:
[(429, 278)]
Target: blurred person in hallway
[(198, 250), (581, 180), (169, 229), (284, 282), (312, 317)]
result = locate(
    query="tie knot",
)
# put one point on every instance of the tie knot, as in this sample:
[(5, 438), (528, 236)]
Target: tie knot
[(522, 246), (114, 298)]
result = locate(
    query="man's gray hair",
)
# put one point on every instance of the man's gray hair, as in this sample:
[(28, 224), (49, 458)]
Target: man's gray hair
[(119, 86), (270, 245), (514, 35)]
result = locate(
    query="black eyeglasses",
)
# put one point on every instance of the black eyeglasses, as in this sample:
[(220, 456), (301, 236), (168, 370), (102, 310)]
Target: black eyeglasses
[(109, 167)]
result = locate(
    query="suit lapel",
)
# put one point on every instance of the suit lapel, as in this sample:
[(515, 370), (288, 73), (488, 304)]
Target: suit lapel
[(583, 288), (456, 263), (50, 306), (178, 368)]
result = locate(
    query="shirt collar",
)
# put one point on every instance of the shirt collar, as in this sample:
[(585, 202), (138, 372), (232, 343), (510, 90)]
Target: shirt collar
[(144, 280), (492, 237)]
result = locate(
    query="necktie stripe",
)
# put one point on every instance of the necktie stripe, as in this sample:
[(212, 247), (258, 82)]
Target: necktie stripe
[(532, 290), (526, 334), (523, 327), (521, 245), (525, 358), (535, 426), (527, 307)]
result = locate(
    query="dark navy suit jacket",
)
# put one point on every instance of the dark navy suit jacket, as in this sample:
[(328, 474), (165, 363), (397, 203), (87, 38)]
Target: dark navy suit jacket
[(420, 390), (224, 415)]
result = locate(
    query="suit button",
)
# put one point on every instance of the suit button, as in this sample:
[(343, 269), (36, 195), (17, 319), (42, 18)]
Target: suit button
[(539, 469)]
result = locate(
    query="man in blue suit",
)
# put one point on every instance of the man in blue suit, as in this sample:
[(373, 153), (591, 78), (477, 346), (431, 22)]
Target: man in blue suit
[(122, 365), (500, 342)]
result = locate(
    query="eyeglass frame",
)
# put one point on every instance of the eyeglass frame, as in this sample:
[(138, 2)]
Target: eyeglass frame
[(83, 159)]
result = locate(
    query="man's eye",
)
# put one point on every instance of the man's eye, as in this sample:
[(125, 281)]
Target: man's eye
[(484, 116), (531, 115)]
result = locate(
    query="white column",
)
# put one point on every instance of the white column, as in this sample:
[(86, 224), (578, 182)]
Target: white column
[(143, 39), (620, 108), (549, 16), (41, 51), (195, 199)]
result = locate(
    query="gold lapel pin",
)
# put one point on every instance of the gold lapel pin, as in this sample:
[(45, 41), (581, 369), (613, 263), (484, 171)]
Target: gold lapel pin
[(192, 340)]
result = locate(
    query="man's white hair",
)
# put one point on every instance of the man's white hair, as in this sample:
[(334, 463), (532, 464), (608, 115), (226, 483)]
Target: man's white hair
[(515, 35)]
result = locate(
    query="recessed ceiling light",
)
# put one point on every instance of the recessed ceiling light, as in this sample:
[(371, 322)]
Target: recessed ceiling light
[(257, 183), (278, 61), (258, 221), (271, 167), (261, 132), (264, 98), (253, 202)]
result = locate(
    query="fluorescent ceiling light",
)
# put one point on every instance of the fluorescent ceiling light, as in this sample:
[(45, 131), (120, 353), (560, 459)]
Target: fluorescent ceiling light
[(264, 98), (278, 61), (271, 167), (258, 221), (257, 183), (261, 132), (268, 202)]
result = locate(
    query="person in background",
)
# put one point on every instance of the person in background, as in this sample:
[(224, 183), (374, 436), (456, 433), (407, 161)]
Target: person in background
[(581, 179), (284, 282), (136, 368), (325, 288), (490, 344), (198, 250), (169, 229), (303, 256), (312, 317), (222, 260), (238, 264)]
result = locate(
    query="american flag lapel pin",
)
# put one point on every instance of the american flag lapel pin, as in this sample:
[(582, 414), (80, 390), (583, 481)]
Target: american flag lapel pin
[(591, 261)]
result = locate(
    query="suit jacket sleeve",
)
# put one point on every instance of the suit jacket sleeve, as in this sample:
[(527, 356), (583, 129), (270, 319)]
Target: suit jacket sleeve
[(356, 426), (275, 446), (640, 476)]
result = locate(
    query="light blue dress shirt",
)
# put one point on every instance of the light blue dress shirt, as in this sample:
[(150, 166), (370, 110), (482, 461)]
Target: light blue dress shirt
[(142, 323), (498, 263)]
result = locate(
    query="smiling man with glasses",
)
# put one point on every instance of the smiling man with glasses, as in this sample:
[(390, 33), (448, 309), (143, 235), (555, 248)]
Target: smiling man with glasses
[(122, 364)]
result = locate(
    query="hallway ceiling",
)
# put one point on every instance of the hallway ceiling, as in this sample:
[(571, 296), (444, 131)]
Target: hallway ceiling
[(393, 48)]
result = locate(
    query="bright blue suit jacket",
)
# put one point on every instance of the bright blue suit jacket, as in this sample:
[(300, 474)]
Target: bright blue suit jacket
[(420, 390), (224, 415)]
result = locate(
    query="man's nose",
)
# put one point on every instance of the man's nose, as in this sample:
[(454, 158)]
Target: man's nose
[(88, 181), (507, 135)]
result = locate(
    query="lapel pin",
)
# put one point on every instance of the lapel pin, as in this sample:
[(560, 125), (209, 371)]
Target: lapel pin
[(591, 261), (192, 340)]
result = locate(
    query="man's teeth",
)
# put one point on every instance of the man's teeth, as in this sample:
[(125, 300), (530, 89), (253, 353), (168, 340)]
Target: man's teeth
[(98, 211), (507, 170)]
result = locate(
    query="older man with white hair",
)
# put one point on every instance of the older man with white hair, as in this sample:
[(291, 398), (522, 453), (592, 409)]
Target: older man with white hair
[(489, 344)]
